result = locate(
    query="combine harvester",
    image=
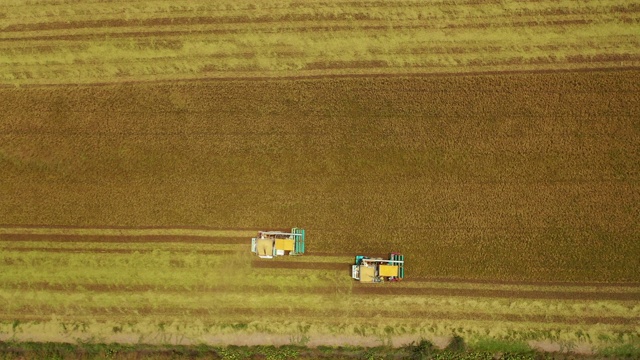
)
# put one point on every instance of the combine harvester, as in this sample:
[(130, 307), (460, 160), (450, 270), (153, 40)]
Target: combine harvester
[(369, 270), (269, 244)]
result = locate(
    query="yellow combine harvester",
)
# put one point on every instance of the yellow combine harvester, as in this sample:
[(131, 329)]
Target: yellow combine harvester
[(378, 270), (269, 244)]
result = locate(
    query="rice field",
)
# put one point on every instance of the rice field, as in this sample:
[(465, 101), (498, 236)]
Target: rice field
[(496, 144), (520, 177), (514, 198)]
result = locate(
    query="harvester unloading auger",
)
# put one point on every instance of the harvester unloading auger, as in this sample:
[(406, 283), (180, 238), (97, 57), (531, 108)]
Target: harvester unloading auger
[(269, 244), (378, 270)]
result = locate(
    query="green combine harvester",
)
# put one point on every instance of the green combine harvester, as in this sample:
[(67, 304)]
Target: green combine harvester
[(378, 270), (269, 244)]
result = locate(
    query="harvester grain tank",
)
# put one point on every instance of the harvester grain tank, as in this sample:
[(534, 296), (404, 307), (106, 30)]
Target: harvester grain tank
[(378, 270), (269, 244)]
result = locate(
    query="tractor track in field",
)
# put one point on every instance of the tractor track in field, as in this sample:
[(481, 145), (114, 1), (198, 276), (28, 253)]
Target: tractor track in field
[(31, 313)]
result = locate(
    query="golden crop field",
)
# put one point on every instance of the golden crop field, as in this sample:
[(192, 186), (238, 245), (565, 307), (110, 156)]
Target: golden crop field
[(510, 177), (496, 144)]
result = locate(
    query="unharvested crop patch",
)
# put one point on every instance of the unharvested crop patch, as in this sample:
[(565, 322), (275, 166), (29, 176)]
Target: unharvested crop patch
[(513, 177)]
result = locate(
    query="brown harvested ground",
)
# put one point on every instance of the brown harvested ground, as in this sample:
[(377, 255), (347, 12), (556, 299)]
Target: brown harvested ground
[(514, 177)]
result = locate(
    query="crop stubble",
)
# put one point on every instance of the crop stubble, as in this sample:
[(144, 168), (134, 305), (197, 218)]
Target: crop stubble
[(70, 42)]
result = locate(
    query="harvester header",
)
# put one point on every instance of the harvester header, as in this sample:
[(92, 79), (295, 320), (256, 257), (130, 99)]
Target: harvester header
[(269, 244), (378, 270)]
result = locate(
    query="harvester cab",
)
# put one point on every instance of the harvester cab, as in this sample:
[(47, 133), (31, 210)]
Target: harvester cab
[(369, 270), (269, 244)]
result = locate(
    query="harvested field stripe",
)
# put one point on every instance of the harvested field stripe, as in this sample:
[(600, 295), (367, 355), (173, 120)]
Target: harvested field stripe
[(515, 68), (192, 289), (311, 298), (116, 227), (238, 25), (265, 264), (127, 231), (117, 251), (292, 312), (124, 239), (572, 295), (140, 246), (150, 40)]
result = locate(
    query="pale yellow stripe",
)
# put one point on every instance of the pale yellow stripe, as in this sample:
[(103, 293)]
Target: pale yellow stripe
[(128, 232)]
